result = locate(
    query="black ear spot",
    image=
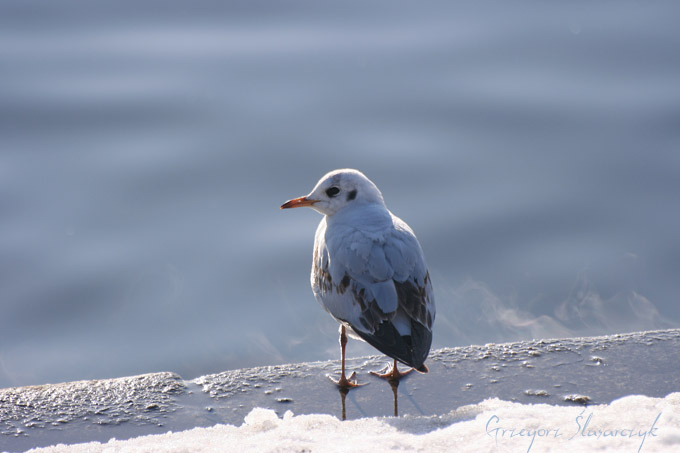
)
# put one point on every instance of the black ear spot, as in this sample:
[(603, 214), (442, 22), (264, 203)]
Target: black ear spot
[(332, 191), (352, 195)]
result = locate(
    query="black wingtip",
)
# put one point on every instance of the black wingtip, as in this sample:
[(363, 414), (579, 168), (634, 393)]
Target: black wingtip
[(410, 350)]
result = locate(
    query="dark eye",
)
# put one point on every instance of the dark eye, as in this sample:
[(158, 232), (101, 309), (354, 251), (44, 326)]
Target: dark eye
[(333, 191)]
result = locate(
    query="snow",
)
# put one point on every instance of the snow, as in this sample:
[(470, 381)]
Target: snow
[(633, 423), (539, 395)]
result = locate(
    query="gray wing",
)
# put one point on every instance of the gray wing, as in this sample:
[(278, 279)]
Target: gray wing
[(379, 285)]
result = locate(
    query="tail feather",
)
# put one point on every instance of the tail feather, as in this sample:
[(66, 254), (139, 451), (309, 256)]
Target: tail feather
[(423, 369)]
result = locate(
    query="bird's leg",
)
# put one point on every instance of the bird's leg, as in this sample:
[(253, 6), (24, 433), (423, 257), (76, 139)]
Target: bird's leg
[(343, 382), (392, 373)]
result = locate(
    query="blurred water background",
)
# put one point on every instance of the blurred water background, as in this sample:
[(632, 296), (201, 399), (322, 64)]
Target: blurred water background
[(145, 148)]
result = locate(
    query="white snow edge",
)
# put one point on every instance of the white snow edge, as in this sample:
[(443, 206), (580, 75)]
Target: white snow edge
[(632, 423)]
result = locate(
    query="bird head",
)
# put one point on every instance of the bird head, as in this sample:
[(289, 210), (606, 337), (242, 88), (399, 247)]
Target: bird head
[(337, 190)]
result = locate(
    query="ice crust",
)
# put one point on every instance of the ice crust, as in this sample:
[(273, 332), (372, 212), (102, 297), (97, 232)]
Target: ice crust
[(545, 376)]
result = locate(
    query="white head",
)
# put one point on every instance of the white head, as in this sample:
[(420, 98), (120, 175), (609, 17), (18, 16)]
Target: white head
[(338, 189)]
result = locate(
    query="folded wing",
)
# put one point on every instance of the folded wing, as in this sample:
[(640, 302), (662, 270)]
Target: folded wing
[(377, 284)]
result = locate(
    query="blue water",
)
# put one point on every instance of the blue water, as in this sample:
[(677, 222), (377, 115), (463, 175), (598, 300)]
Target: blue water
[(145, 149)]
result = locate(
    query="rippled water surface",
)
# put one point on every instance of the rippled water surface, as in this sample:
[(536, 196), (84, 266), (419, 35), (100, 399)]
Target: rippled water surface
[(145, 149)]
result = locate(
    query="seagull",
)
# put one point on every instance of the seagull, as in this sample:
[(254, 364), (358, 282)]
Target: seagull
[(369, 272)]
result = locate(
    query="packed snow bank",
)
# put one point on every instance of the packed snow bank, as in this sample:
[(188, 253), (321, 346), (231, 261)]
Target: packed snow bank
[(574, 373), (632, 423)]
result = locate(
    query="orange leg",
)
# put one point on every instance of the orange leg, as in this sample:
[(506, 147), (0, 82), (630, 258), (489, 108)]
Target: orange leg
[(343, 382)]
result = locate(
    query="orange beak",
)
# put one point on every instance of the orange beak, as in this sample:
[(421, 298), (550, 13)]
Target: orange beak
[(298, 203)]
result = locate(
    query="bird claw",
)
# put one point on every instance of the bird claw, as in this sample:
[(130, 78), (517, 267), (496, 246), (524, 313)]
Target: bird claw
[(345, 383), (391, 373)]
